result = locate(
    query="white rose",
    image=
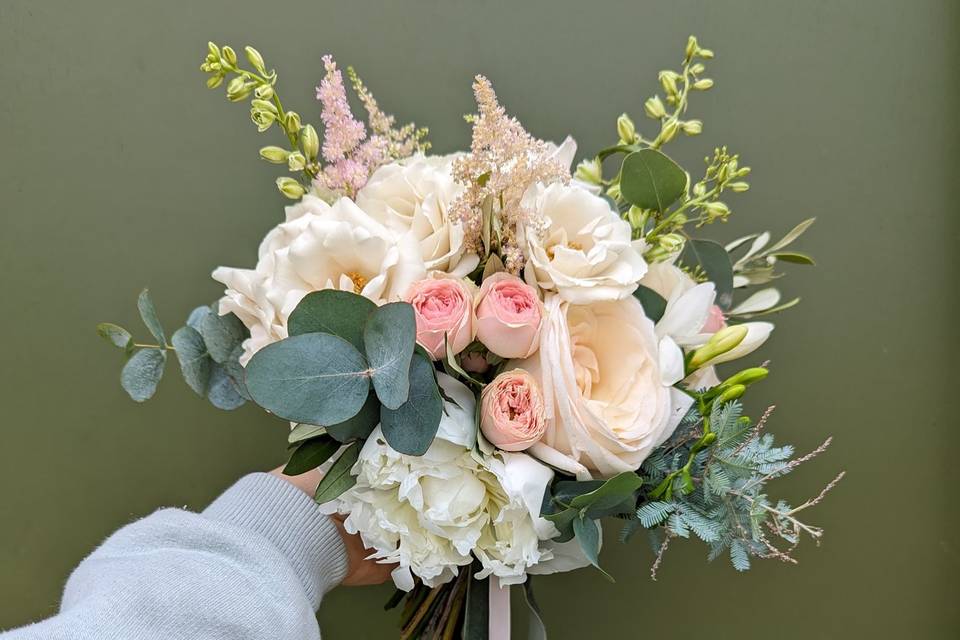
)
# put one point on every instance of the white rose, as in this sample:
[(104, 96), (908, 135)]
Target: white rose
[(608, 405), (431, 514), (414, 196), (320, 246), (585, 253)]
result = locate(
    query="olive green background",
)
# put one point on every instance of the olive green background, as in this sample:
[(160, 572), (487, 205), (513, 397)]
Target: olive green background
[(118, 169)]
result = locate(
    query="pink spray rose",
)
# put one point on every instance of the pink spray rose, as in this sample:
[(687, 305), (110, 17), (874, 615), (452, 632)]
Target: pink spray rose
[(512, 409), (509, 314), (715, 320), (444, 308)]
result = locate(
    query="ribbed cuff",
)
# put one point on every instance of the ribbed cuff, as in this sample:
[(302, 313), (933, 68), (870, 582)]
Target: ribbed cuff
[(266, 505)]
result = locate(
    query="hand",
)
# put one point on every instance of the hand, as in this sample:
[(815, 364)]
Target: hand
[(360, 571)]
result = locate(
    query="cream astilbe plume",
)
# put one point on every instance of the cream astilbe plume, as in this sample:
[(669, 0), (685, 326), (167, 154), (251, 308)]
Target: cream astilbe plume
[(504, 161)]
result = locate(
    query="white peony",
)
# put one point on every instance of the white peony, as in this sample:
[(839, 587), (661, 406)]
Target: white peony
[(432, 514), (608, 404), (585, 252), (319, 246), (414, 197)]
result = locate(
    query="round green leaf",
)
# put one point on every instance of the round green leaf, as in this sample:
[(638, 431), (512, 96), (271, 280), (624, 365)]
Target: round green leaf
[(315, 378), (142, 373), (653, 303), (193, 357), (222, 391), (651, 180), (410, 429), (115, 335), (222, 334), (338, 313), (389, 336), (360, 425)]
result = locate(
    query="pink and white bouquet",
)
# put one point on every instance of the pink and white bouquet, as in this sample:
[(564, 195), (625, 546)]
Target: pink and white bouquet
[(489, 352)]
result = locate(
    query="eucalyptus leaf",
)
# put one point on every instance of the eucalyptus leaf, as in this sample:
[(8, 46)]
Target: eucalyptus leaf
[(651, 180), (115, 335), (222, 392), (410, 429), (361, 425), (587, 532), (315, 378), (338, 478), (222, 334), (142, 373), (715, 262), (195, 319), (235, 370), (611, 493), (388, 337), (195, 363), (653, 303), (148, 313), (340, 313), (303, 432), (310, 454)]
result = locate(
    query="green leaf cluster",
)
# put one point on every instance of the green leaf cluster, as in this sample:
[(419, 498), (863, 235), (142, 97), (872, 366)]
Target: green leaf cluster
[(348, 365)]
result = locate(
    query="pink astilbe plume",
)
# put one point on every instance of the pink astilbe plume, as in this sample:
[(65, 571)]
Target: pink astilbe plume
[(504, 161)]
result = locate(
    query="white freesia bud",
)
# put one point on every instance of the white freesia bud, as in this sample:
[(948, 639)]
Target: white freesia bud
[(276, 155), (703, 85), (290, 188), (692, 127), (654, 108), (626, 129), (720, 343)]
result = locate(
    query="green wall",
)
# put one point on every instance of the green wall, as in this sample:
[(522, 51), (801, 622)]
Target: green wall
[(118, 169)]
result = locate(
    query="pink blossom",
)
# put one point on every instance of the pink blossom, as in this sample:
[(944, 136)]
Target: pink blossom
[(715, 320), (444, 313), (509, 314), (512, 409)]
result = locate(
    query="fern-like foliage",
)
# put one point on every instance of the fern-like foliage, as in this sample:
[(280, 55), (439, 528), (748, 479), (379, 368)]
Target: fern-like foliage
[(718, 492)]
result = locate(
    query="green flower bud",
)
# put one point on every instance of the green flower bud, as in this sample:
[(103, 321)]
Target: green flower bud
[(738, 187), (671, 242), (214, 50), (692, 127), (747, 376), (706, 54), (263, 119), (276, 155), (264, 92), (637, 217), (310, 142), (654, 108), (214, 81), (718, 344), (692, 47), (699, 189), (290, 188), (589, 171), (296, 161), (263, 105), (703, 85), (229, 55), (626, 129), (668, 79), (731, 393), (697, 68), (717, 209), (669, 130), (237, 90), (292, 122), (614, 191), (256, 60)]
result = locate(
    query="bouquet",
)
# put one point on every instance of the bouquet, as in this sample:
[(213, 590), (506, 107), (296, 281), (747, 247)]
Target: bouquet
[(489, 354)]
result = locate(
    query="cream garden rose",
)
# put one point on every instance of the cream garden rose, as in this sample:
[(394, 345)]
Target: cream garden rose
[(607, 403), (414, 197), (585, 253), (319, 246)]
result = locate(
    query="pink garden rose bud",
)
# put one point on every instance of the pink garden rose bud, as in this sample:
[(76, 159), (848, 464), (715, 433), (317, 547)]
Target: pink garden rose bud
[(444, 308), (474, 362), (715, 320), (512, 411), (509, 314)]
